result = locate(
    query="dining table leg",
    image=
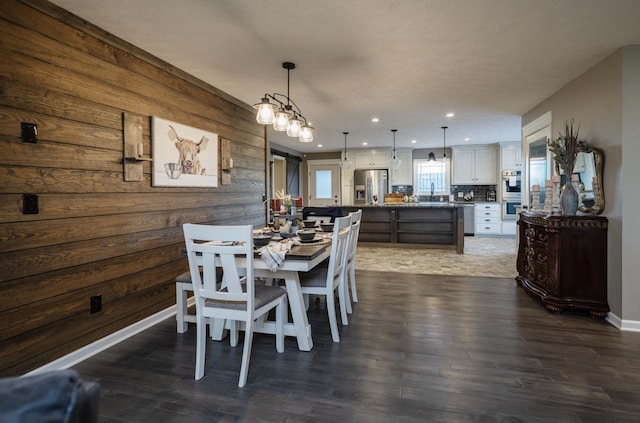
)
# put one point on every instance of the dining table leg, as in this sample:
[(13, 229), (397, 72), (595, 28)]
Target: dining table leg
[(300, 327), (298, 312)]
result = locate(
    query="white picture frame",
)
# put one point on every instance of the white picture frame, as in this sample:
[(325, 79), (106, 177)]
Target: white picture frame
[(183, 156)]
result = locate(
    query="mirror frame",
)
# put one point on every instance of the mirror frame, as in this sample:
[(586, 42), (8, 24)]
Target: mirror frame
[(598, 157)]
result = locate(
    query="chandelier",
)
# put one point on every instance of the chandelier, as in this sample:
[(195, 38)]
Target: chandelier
[(283, 113)]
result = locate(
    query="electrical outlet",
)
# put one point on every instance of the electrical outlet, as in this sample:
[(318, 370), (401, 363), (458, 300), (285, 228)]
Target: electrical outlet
[(30, 204), (29, 132), (96, 304)]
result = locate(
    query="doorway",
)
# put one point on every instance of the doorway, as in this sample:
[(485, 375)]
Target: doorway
[(279, 174), (536, 155), (323, 183)]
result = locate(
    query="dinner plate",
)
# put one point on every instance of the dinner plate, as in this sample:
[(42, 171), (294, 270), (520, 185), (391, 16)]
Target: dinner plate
[(311, 241)]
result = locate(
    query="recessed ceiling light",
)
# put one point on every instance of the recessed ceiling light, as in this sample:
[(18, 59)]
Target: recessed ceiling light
[(319, 145), (450, 114), (365, 143), (375, 120), (467, 139), (413, 141)]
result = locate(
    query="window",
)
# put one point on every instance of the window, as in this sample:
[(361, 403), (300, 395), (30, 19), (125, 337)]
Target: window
[(323, 184), (427, 173)]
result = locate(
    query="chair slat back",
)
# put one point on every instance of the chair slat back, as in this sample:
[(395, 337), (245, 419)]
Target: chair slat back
[(210, 247), (339, 244), (356, 217)]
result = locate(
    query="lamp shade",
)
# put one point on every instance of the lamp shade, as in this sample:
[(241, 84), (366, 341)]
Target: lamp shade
[(281, 121), (345, 162), (432, 157), (295, 126), (306, 135), (266, 112), (395, 162)]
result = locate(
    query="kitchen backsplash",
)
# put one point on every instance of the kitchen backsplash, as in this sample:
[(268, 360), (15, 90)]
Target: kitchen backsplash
[(480, 192)]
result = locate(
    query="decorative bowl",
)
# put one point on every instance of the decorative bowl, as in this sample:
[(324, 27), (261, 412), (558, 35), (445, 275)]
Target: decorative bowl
[(306, 235), (309, 223), (287, 234), (174, 170), (327, 227), (261, 240)]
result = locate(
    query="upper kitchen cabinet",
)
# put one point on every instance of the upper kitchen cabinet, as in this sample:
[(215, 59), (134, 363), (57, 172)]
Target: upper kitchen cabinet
[(474, 165), (403, 175), (511, 156), (371, 159)]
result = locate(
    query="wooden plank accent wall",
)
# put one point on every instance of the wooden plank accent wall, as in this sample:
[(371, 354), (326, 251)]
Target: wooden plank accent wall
[(96, 234)]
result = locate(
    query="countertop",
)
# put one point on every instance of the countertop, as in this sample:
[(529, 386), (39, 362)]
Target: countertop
[(427, 204)]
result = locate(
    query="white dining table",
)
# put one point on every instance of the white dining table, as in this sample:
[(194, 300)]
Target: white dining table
[(301, 258)]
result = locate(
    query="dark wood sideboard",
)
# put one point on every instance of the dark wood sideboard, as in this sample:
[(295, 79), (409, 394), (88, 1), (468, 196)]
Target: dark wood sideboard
[(562, 260)]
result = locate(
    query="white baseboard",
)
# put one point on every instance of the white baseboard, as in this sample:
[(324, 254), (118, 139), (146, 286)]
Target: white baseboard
[(100, 345), (628, 325)]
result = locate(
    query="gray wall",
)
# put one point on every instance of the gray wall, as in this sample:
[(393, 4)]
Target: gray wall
[(629, 185), (605, 101)]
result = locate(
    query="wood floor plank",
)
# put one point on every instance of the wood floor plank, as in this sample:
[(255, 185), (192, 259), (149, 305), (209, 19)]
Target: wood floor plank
[(417, 348)]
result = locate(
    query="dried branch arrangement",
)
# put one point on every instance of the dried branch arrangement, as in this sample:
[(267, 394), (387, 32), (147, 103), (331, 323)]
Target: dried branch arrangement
[(565, 148)]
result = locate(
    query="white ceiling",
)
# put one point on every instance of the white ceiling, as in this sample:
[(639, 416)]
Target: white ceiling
[(407, 62)]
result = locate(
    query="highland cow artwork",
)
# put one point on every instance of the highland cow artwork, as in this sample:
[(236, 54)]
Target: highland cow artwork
[(183, 156)]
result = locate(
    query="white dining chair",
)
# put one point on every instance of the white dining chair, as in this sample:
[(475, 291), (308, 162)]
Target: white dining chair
[(350, 267), (239, 297), (326, 281)]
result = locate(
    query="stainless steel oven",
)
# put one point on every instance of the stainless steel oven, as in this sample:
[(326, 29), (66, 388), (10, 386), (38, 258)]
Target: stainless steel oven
[(511, 184), (510, 209)]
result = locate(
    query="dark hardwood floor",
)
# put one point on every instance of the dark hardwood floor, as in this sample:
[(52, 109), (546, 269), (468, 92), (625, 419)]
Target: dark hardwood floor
[(417, 349)]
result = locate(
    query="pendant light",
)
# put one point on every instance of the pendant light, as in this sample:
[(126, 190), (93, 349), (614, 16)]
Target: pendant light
[(444, 142), (345, 162), (285, 115), (395, 161)]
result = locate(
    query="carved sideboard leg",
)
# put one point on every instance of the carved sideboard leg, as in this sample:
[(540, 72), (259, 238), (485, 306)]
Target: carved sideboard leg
[(552, 308)]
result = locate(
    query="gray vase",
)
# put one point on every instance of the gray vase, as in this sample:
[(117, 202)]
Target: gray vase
[(569, 200)]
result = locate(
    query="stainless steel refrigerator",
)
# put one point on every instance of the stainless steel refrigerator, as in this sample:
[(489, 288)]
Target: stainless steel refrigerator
[(370, 186)]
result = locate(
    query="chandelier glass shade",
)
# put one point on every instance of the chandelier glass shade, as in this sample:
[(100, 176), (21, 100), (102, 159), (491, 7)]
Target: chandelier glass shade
[(345, 162), (283, 113), (395, 161)]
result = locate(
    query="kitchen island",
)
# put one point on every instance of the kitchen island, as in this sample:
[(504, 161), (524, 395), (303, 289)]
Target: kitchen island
[(414, 225)]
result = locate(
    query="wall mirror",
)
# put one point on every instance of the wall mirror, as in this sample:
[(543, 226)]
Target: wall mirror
[(589, 168)]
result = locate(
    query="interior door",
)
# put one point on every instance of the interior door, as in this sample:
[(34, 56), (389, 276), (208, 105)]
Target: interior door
[(324, 184)]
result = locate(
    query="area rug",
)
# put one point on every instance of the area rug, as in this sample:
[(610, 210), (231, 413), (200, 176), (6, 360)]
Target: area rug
[(483, 256)]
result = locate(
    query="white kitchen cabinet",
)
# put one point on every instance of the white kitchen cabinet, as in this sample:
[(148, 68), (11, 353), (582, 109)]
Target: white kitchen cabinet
[(403, 175), (488, 219), (371, 159), (509, 227), (511, 156), (474, 165)]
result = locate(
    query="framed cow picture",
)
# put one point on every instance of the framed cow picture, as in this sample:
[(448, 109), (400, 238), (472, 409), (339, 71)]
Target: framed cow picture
[(183, 156)]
